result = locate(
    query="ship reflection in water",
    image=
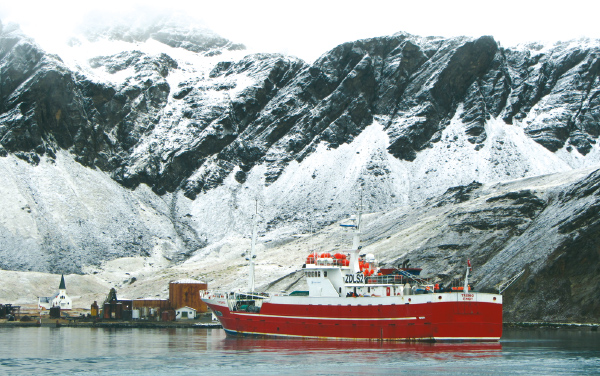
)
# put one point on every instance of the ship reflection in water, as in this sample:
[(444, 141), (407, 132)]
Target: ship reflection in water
[(360, 351)]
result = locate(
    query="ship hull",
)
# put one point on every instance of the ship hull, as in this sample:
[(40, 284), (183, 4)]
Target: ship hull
[(427, 317)]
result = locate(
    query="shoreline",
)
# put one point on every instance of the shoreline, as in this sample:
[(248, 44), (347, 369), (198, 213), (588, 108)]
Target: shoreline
[(549, 325), (141, 324), (209, 324)]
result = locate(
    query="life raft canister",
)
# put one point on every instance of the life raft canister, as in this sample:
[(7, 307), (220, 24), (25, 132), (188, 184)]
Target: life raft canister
[(460, 288)]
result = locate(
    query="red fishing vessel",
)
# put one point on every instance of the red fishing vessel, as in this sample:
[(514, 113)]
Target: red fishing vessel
[(348, 297)]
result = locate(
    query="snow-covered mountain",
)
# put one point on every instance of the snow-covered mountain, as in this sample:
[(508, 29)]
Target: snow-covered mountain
[(138, 155)]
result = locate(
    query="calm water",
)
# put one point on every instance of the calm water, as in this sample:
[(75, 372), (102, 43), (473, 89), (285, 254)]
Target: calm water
[(90, 351)]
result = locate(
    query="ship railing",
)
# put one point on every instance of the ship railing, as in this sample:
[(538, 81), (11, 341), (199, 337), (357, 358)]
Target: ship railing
[(247, 301), (328, 262), (412, 277), (235, 300), (213, 294), (232, 295), (250, 296), (386, 279), (225, 294), (395, 279)]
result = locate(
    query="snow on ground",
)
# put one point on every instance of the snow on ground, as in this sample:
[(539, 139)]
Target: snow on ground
[(191, 64), (507, 154), (326, 183), (62, 212), (24, 288)]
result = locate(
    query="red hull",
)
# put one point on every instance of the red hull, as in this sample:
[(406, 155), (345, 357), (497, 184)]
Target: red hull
[(370, 319)]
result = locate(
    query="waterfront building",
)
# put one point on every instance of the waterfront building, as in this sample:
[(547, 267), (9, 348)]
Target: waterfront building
[(185, 313), (186, 293), (60, 299)]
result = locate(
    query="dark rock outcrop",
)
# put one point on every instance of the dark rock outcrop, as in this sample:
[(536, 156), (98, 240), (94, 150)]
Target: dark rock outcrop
[(415, 86), (565, 286), (46, 106)]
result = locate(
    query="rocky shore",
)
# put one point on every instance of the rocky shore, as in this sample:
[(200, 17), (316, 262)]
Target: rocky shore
[(207, 323), (202, 323), (551, 325)]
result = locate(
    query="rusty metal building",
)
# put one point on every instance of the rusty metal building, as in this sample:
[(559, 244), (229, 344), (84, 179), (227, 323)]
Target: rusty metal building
[(115, 309), (160, 304), (186, 293)]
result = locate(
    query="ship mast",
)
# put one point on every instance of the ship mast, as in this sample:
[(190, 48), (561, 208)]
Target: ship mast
[(466, 284), (253, 251), (354, 255)]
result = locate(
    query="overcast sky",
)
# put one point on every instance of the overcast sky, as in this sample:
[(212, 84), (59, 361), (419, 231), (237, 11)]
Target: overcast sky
[(309, 28)]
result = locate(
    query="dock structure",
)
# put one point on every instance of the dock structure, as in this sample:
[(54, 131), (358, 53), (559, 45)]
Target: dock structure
[(10, 312)]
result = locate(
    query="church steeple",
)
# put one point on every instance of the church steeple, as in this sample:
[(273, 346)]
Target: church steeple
[(61, 299)]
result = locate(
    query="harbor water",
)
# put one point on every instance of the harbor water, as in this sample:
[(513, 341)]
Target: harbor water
[(188, 351)]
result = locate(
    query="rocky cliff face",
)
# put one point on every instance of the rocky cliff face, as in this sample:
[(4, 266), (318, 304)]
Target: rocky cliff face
[(549, 233), (285, 107), (564, 283), (209, 129)]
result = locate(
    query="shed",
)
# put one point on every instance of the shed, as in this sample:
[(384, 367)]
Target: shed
[(185, 313)]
